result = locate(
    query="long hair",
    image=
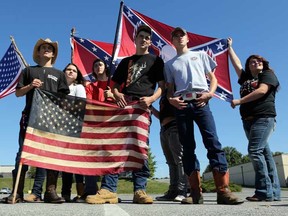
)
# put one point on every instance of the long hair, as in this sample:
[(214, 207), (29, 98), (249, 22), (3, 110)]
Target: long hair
[(260, 58), (106, 67), (266, 66), (79, 79)]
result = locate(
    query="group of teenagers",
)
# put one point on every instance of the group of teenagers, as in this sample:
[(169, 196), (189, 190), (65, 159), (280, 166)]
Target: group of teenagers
[(181, 85)]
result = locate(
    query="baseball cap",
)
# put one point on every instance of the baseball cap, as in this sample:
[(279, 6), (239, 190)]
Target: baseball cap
[(144, 28), (178, 29)]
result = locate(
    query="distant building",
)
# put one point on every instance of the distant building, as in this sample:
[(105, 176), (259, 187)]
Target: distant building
[(6, 171), (243, 174)]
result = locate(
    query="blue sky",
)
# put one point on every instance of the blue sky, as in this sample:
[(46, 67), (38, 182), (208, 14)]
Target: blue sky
[(257, 27)]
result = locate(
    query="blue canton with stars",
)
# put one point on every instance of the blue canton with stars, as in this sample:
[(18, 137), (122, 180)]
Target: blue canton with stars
[(10, 67)]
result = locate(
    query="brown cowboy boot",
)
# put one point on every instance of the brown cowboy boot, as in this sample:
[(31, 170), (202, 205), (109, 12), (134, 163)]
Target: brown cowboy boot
[(195, 196), (50, 195), (19, 194), (224, 195)]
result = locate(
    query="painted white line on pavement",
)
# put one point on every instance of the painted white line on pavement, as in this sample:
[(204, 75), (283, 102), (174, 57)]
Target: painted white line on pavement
[(113, 209)]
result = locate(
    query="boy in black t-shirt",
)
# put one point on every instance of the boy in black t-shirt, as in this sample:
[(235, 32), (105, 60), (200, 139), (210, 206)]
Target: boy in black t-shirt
[(140, 74)]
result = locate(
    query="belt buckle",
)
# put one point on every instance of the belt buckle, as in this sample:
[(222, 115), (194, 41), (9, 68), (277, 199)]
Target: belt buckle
[(189, 96)]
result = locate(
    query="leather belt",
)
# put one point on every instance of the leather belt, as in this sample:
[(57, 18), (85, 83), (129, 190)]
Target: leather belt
[(168, 125), (189, 96)]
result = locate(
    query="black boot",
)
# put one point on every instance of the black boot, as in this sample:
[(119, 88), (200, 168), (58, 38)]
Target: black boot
[(50, 195)]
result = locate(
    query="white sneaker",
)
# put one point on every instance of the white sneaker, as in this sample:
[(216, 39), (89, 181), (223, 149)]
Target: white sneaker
[(179, 198)]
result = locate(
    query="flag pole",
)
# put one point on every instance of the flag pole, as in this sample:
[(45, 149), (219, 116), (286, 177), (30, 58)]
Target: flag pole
[(20, 164), (73, 31), (116, 38), (18, 52), (17, 182)]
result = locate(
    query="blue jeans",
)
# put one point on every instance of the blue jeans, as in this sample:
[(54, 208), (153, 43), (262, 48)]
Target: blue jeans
[(203, 117), (40, 172), (38, 181), (23, 125), (110, 181), (266, 177), (173, 153)]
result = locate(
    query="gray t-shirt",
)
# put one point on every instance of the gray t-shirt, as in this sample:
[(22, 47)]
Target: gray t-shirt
[(188, 72)]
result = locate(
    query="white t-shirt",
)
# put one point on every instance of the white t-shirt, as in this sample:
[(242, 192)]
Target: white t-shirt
[(188, 72), (77, 90)]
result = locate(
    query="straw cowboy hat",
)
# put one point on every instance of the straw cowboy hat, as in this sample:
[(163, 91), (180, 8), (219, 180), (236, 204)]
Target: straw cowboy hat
[(41, 42)]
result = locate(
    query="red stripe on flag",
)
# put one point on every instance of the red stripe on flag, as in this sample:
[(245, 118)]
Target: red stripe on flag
[(77, 146), (81, 170), (81, 158)]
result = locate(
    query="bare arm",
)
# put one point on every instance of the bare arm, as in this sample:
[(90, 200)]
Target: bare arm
[(204, 97), (155, 112), (145, 102), (177, 102), (119, 97), (234, 58), (36, 83), (258, 93)]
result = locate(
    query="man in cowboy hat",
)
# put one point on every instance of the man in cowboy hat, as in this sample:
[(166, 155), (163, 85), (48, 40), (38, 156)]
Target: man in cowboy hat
[(43, 76)]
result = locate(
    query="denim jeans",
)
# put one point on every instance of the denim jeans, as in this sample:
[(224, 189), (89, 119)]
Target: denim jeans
[(173, 153), (258, 132), (203, 117), (110, 181), (38, 181), (23, 125), (40, 172)]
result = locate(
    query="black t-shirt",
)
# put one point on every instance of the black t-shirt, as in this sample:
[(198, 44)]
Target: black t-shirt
[(53, 80), (264, 106), (144, 73)]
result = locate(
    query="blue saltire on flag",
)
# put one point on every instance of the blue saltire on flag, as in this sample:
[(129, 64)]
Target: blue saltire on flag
[(85, 51)]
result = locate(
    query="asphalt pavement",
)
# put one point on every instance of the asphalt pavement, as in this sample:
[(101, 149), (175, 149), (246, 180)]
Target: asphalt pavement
[(127, 208)]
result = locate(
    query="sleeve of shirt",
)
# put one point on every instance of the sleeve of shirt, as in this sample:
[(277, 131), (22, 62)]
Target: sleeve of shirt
[(243, 77), (268, 77), (22, 79), (209, 63), (63, 86), (120, 74), (167, 73), (80, 91), (89, 91)]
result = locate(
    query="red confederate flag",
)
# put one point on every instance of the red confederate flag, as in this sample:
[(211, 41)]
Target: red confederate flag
[(85, 51), (161, 45)]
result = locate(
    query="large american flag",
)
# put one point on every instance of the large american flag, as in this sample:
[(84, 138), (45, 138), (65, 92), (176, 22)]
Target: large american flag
[(71, 134), (85, 51), (11, 66), (161, 45)]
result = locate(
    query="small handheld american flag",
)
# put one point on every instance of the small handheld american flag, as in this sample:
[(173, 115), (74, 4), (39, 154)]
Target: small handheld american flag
[(11, 66)]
